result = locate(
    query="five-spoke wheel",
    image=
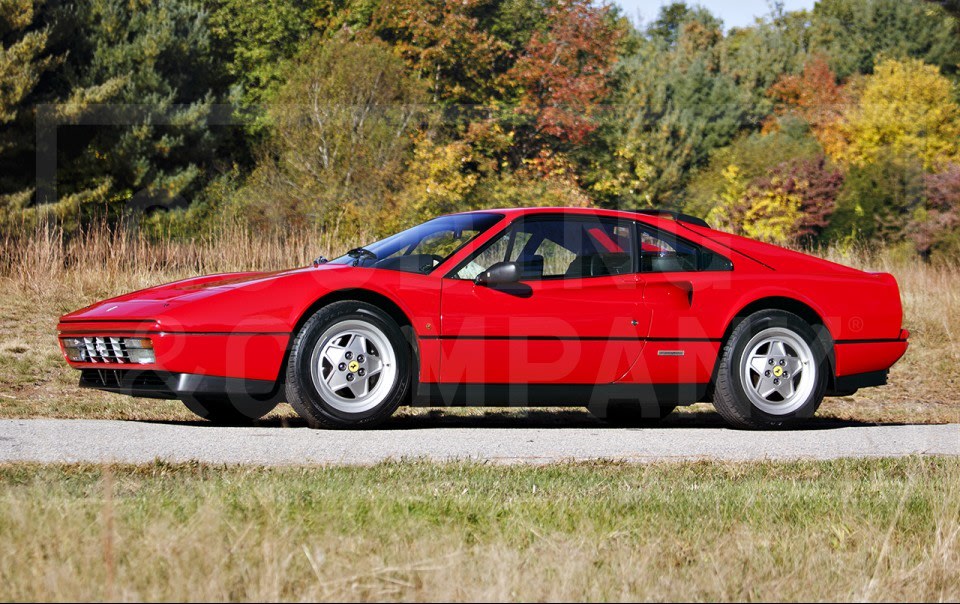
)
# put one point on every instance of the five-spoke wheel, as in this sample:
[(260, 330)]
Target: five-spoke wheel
[(773, 369), (353, 365), (776, 370), (349, 366)]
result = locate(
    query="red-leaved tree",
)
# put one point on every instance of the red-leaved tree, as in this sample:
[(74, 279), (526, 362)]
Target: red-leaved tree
[(819, 195), (938, 225), (563, 70), (815, 96), (817, 185)]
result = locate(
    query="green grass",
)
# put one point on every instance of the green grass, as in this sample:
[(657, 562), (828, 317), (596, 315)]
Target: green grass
[(870, 529)]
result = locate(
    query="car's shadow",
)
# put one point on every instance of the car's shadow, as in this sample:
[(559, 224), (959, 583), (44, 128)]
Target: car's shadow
[(542, 419)]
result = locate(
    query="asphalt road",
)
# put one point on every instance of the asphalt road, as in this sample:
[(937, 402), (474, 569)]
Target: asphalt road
[(522, 441)]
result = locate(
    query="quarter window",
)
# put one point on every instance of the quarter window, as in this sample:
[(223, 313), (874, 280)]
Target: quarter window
[(663, 253)]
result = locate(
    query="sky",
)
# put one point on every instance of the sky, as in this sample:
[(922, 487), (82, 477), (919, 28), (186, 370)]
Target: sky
[(734, 13)]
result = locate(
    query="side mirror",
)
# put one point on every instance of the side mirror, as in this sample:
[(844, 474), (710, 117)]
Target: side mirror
[(499, 274)]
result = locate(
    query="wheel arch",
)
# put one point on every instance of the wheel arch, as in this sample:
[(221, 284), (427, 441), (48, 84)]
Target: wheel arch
[(381, 301), (787, 304)]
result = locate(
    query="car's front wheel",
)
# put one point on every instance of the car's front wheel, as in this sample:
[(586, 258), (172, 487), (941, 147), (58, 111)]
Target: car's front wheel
[(773, 371), (349, 366)]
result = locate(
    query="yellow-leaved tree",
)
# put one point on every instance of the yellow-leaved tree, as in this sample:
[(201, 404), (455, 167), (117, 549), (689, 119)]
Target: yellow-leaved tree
[(773, 213), (728, 209), (906, 108), (768, 209), (435, 183)]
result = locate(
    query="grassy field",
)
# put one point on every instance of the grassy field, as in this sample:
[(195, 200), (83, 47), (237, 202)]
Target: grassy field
[(846, 530), (841, 530), (44, 276)]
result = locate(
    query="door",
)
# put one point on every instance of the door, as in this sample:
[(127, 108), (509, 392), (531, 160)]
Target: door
[(686, 288), (575, 316)]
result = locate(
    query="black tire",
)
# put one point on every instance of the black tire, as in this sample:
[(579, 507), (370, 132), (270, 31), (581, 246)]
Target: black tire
[(730, 397), (305, 396), (634, 414), (228, 410)]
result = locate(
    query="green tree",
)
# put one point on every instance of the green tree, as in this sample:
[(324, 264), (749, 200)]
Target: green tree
[(673, 107), (934, 228), (254, 40), (444, 45), (341, 131), (853, 33), (756, 155), (150, 61), (951, 6), (756, 56), (24, 59), (877, 200)]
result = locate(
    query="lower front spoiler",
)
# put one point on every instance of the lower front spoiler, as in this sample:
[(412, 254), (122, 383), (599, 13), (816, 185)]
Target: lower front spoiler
[(166, 385)]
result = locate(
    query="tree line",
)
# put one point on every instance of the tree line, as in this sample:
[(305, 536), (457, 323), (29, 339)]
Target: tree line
[(837, 124)]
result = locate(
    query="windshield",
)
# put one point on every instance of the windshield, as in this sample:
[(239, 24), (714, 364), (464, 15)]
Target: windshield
[(424, 247)]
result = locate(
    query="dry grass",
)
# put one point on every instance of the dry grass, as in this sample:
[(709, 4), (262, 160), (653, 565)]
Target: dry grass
[(45, 275), (923, 385), (807, 531)]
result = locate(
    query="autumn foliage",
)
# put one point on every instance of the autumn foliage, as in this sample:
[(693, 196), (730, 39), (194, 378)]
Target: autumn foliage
[(563, 70), (828, 126)]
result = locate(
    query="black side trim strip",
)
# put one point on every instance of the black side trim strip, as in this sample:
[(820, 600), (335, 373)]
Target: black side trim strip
[(553, 395), (108, 321), (226, 333), (176, 333), (870, 341), (581, 338)]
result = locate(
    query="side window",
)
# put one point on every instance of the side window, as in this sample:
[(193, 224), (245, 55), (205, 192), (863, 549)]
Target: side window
[(495, 251), (549, 259), (559, 247), (664, 253)]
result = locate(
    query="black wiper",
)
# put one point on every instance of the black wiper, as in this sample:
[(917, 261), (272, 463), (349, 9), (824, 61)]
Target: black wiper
[(361, 253), (320, 260)]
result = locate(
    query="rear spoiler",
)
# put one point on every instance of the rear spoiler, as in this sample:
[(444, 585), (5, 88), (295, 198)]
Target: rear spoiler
[(677, 216)]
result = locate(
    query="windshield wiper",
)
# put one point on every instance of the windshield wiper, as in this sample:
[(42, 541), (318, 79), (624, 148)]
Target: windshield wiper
[(361, 253), (320, 260)]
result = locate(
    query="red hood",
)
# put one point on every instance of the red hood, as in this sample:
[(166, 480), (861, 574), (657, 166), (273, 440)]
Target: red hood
[(153, 302)]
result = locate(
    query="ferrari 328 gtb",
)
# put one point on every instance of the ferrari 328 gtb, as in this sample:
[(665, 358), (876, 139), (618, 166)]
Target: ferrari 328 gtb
[(629, 313)]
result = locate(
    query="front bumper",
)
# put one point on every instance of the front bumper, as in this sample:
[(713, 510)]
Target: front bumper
[(168, 385), (237, 354)]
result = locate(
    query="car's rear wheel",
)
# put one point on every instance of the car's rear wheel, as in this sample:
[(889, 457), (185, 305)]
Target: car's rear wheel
[(634, 414), (349, 366), (773, 371), (227, 410)]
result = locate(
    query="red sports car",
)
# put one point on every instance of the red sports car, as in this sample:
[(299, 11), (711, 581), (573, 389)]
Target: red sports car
[(630, 313)]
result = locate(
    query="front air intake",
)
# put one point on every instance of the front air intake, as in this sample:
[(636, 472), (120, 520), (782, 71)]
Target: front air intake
[(109, 350)]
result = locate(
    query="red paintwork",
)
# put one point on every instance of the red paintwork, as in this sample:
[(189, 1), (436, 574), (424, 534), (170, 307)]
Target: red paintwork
[(595, 330)]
